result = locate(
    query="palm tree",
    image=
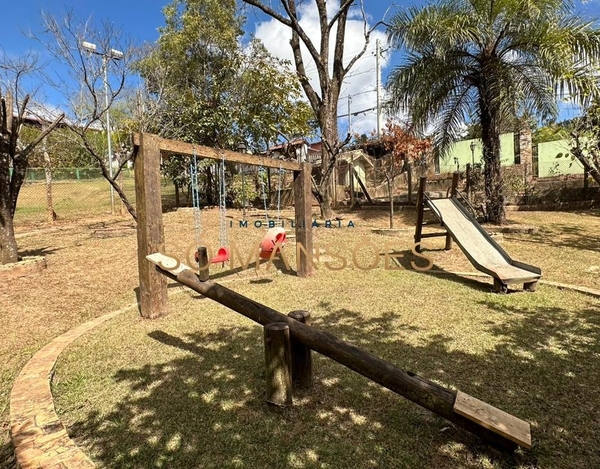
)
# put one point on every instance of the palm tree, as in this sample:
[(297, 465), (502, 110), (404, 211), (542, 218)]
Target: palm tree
[(489, 61)]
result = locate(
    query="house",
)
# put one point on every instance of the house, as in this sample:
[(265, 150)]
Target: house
[(299, 150)]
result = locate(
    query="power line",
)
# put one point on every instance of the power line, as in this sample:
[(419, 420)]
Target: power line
[(364, 111)]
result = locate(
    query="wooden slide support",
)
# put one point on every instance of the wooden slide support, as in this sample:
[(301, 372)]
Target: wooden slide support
[(494, 426), (362, 185)]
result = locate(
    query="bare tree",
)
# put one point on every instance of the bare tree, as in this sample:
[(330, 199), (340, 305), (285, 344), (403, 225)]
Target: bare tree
[(98, 60), (14, 154), (332, 67)]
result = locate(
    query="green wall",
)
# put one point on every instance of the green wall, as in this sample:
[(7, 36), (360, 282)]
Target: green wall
[(462, 151), (549, 164)]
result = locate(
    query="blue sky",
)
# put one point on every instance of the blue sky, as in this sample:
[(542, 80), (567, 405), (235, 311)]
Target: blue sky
[(140, 20)]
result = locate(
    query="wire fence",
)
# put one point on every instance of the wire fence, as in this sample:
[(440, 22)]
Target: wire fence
[(76, 193)]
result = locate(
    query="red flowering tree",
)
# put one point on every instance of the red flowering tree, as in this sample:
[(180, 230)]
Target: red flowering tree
[(405, 151)]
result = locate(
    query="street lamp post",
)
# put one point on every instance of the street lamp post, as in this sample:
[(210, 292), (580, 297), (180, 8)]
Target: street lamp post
[(106, 56), (470, 176)]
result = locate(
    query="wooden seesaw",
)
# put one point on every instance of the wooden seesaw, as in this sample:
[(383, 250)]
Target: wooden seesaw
[(493, 425)]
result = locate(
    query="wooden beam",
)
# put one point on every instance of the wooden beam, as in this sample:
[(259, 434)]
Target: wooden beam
[(362, 186), (150, 231), (433, 235), (420, 210), (494, 419), (427, 394), (182, 148), (453, 191), (303, 219)]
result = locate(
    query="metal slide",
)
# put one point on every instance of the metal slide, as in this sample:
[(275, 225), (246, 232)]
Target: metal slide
[(483, 252)]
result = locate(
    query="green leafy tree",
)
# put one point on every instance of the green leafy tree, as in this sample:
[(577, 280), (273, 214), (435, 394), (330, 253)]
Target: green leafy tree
[(551, 132), (333, 63), (203, 86), (213, 91), (488, 61)]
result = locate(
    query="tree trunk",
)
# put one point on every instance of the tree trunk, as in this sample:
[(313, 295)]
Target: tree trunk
[(122, 207), (409, 183), (210, 200), (329, 135), (390, 184), (490, 138), (16, 182), (176, 194), (587, 167), (51, 214), (8, 243)]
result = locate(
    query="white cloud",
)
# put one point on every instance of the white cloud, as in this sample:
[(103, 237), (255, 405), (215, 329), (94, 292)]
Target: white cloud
[(360, 83)]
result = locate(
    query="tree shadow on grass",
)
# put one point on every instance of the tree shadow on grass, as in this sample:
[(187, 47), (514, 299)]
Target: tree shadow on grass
[(207, 409), (562, 236), (405, 258), (38, 252), (405, 214)]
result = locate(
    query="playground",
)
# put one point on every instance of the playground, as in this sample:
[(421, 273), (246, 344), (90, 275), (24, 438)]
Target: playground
[(188, 389)]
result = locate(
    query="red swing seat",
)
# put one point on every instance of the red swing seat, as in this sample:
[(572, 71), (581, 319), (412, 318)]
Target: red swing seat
[(221, 256), (272, 237)]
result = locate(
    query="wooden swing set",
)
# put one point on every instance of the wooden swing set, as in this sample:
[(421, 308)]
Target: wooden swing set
[(150, 232), (294, 337)]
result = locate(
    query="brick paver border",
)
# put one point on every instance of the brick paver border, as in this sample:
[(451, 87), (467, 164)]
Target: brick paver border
[(39, 437)]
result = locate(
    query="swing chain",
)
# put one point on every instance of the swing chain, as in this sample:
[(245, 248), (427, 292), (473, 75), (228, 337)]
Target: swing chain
[(195, 188), (222, 204), (262, 183), (279, 189)]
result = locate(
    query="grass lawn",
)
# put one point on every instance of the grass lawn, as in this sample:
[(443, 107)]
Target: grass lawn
[(187, 390)]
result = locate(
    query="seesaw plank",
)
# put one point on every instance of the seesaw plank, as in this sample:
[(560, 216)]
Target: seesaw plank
[(167, 263), (494, 419)]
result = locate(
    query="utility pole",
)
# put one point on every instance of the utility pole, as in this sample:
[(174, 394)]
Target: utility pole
[(349, 115), (378, 85), (107, 56)]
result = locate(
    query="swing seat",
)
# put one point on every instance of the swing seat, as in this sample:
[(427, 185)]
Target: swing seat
[(272, 237), (221, 256)]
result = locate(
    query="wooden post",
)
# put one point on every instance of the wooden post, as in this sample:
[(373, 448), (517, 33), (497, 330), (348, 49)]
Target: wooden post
[(351, 179), (469, 182), (203, 265), (301, 356), (419, 226), (454, 186), (303, 218), (409, 182), (150, 232), (453, 190), (278, 360)]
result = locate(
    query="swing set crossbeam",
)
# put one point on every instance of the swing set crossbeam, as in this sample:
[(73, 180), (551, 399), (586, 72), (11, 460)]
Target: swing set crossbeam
[(182, 148)]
